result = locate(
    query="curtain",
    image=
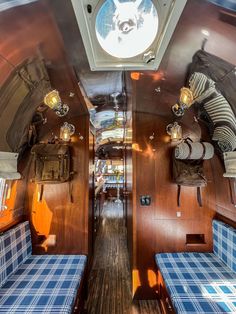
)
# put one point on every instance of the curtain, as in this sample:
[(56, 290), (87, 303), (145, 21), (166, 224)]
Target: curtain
[(8, 166)]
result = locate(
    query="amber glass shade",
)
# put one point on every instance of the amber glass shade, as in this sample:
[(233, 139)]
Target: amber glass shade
[(66, 131), (186, 96), (175, 131), (52, 99)]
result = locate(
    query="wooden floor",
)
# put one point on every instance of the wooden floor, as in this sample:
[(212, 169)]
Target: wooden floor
[(110, 279)]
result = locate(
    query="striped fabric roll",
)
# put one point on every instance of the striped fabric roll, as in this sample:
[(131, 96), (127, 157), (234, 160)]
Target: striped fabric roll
[(219, 110), (201, 86), (225, 138), (182, 151)]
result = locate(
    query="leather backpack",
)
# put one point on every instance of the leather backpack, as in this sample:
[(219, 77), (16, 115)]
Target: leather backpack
[(189, 173), (52, 164)]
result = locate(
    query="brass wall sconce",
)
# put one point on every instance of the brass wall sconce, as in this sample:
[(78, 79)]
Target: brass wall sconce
[(66, 131), (185, 101), (53, 101), (175, 131)]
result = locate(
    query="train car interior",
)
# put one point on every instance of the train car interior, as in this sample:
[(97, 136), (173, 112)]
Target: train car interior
[(117, 156)]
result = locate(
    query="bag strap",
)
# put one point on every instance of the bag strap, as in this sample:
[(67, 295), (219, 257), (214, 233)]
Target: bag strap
[(190, 149), (41, 187), (199, 197), (204, 151), (178, 195), (71, 191)]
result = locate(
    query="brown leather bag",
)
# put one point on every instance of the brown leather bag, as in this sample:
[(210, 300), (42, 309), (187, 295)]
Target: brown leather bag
[(189, 173), (52, 165)]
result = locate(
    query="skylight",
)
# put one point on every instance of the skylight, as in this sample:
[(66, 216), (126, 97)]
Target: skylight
[(126, 34), (126, 29)]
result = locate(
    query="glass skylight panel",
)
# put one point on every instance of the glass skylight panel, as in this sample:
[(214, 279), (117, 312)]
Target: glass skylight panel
[(126, 29)]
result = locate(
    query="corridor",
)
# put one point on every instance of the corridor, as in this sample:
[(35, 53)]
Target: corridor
[(109, 284)]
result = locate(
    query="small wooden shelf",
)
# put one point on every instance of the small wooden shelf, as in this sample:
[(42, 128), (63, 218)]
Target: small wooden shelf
[(195, 239)]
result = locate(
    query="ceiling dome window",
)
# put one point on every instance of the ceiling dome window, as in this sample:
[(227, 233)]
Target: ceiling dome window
[(125, 29), (121, 35)]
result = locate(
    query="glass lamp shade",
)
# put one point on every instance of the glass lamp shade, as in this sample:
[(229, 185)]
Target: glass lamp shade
[(66, 131), (186, 96), (52, 99), (175, 131)]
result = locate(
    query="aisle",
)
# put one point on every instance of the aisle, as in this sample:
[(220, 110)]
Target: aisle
[(109, 280)]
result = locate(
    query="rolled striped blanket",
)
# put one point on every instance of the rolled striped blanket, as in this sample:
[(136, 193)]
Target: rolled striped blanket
[(196, 150), (201, 86), (230, 164), (218, 110), (225, 138)]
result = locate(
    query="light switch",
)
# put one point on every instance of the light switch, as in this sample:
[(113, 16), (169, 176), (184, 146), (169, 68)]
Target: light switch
[(145, 200), (178, 214)]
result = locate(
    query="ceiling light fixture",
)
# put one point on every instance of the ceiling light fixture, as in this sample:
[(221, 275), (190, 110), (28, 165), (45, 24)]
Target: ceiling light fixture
[(53, 101), (175, 131), (185, 101), (66, 131)]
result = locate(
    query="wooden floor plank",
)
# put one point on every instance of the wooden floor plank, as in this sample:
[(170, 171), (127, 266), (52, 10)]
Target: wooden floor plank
[(110, 278)]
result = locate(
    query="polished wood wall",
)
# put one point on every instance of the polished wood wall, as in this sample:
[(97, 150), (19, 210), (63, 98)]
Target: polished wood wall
[(63, 210), (28, 31), (157, 228)]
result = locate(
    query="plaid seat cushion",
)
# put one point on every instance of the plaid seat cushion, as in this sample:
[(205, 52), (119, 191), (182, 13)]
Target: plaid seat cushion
[(15, 245), (198, 282), (224, 243), (43, 284), (204, 305)]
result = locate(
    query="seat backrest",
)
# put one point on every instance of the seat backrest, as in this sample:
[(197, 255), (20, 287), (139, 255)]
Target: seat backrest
[(15, 248), (224, 243)]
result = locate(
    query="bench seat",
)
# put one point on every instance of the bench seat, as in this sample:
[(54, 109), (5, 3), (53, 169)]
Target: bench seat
[(198, 282), (43, 284), (202, 282), (36, 283)]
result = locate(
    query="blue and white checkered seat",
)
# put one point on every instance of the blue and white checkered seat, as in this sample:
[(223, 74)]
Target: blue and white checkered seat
[(224, 243), (202, 282), (15, 248), (36, 283)]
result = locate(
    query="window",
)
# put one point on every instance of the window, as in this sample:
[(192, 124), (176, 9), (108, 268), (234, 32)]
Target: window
[(126, 34), (126, 29)]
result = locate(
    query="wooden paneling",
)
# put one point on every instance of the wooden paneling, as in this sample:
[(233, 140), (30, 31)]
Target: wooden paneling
[(32, 29), (224, 205), (186, 40), (156, 228), (128, 172), (26, 31), (56, 214)]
